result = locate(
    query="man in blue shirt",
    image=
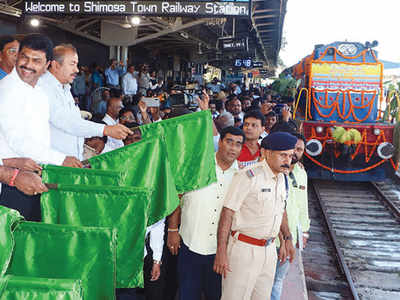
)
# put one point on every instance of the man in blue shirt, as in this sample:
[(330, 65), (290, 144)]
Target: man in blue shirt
[(214, 86), (8, 54), (79, 88), (113, 72)]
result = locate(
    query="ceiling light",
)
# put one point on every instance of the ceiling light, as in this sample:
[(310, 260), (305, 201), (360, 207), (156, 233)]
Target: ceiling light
[(35, 22), (135, 20)]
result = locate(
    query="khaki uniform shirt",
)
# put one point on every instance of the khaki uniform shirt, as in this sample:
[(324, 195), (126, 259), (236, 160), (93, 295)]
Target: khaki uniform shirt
[(257, 197)]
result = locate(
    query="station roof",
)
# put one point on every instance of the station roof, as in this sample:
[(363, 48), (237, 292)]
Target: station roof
[(263, 28)]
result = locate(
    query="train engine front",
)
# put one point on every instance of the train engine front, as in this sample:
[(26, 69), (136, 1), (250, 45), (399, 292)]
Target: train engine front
[(346, 137)]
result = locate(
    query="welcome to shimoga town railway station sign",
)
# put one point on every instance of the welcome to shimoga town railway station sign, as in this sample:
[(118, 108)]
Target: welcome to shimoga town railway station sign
[(156, 8)]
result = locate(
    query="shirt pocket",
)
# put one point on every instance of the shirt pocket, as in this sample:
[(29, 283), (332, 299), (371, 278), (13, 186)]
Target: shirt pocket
[(266, 201)]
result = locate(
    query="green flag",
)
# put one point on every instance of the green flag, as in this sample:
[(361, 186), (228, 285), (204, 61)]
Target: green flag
[(144, 164), (58, 174), (190, 147), (122, 208), (32, 288), (63, 252), (8, 219)]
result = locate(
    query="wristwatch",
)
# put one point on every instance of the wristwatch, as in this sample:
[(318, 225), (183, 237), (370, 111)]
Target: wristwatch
[(158, 262)]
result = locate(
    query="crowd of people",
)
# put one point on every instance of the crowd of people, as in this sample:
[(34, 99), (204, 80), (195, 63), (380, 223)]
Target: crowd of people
[(234, 239)]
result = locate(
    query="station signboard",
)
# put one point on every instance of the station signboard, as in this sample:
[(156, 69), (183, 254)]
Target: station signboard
[(235, 44), (208, 9), (258, 64)]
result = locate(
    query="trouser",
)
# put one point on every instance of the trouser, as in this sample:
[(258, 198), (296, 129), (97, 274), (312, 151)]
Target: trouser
[(127, 294), (196, 275), (28, 206), (153, 290), (252, 271), (171, 272), (280, 274)]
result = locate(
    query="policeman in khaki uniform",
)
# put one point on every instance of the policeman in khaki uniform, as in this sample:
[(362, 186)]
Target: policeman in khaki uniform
[(251, 219)]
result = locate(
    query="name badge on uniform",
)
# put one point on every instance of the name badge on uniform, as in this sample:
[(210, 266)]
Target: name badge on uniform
[(302, 187), (266, 190)]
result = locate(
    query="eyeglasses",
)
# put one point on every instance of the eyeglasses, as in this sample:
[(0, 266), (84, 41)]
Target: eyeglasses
[(126, 118), (294, 182), (12, 50)]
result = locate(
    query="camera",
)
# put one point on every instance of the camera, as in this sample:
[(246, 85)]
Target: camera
[(278, 108)]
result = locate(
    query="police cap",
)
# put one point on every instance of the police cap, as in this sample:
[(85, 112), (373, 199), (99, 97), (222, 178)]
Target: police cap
[(279, 141)]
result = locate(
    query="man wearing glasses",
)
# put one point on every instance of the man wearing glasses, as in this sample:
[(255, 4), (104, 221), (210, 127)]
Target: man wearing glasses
[(8, 54)]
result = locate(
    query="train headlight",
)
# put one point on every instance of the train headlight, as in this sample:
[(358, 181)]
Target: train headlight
[(385, 150), (314, 147), (319, 129), (377, 131)]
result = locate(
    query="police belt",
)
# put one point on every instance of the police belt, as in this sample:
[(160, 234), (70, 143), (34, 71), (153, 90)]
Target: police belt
[(250, 240)]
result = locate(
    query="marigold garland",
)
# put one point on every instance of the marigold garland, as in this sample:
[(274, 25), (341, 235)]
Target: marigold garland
[(363, 142)]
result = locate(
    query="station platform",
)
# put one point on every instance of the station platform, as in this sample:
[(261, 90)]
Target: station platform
[(294, 286)]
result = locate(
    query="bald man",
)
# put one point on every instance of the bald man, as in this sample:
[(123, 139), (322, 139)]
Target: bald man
[(68, 130)]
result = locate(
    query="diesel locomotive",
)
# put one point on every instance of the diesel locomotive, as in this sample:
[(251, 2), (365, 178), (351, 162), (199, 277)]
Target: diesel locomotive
[(342, 104)]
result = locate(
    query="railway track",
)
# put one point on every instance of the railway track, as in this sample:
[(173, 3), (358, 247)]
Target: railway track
[(354, 247)]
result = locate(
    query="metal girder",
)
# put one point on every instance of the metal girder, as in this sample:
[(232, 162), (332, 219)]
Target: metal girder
[(264, 11), (82, 34), (10, 10), (262, 16), (168, 31), (195, 39), (264, 24), (14, 3), (265, 30), (80, 28)]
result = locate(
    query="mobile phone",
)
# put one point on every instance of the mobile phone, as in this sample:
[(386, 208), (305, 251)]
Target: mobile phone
[(151, 102)]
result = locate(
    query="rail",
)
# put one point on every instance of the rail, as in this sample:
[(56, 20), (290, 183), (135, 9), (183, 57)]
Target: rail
[(333, 238), (387, 202)]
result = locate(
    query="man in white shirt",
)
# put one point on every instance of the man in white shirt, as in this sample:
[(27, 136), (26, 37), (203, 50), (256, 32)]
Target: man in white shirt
[(114, 105), (200, 212), (29, 134), (67, 128), (129, 82)]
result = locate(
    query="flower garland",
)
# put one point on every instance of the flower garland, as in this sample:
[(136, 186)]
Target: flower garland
[(364, 142), (335, 104)]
